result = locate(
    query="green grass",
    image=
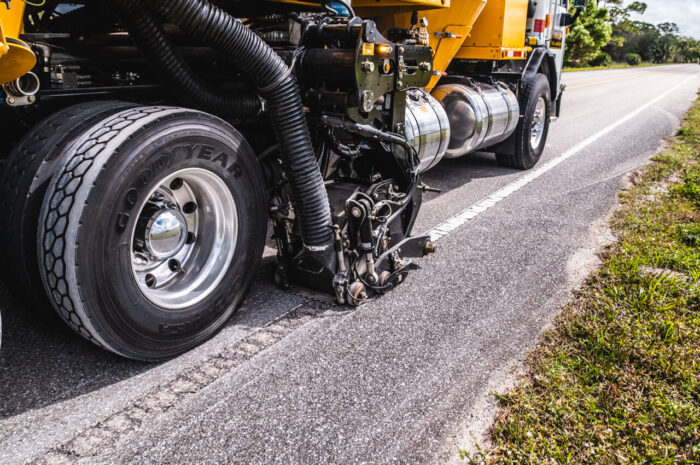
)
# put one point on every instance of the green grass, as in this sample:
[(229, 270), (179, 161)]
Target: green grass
[(612, 66), (617, 379)]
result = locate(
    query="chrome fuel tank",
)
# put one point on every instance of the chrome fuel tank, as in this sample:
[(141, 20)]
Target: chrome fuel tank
[(480, 115), (427, 127)]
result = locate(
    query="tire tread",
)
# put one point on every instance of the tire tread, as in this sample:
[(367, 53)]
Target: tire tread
[(59, 200), (21, 180), (516, 159)]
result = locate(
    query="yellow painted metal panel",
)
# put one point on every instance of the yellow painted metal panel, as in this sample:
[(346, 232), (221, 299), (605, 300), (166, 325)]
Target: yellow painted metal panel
[(16, 58), (4, 47), (499, 28), (12, 18), (492, 53), (413, 4), (447, 27)]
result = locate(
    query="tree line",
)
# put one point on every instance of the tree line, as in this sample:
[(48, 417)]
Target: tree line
[(605, 33)]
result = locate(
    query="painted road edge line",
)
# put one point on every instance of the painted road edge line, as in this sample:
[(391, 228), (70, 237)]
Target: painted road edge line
[(469, 213)]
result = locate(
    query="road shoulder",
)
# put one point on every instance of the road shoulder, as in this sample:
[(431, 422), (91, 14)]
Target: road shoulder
[(615, 379)]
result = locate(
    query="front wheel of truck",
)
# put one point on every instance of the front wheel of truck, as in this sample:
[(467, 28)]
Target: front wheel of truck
[(530, 137), (151, 230)]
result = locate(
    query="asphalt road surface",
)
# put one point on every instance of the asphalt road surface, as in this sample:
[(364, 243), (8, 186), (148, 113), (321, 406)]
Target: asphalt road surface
[(401, 379)]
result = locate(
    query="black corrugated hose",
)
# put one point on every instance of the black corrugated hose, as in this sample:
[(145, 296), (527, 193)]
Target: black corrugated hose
[(275, 83), (179, 77)]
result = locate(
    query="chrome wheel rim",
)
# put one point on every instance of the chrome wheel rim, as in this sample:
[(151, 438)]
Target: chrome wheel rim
[(538, 120), (184, 238)]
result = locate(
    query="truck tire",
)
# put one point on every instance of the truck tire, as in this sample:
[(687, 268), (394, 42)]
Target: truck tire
[(151, 230), (27, 174), (531, 133)]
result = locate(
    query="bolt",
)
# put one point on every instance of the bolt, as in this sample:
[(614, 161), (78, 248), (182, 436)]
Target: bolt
[(356, 212), (10, 100), (368, 67), (401, 49), (430, 247), (399, 84), (425, 66), (31, 99)]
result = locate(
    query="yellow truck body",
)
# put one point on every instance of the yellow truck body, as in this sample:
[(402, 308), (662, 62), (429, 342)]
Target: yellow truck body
[(16, 58), (466, 29)]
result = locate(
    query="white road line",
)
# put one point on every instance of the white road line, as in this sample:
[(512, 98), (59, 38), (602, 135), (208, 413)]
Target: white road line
[(451, 224)]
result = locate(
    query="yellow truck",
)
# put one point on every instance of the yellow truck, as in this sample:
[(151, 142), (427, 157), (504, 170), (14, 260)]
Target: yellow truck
[(150, 147)]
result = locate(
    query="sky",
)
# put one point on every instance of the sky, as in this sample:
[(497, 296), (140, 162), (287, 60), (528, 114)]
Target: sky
[(685, 13)]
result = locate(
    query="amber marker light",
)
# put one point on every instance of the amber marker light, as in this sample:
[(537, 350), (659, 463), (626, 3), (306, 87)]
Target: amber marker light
[(383, 49)]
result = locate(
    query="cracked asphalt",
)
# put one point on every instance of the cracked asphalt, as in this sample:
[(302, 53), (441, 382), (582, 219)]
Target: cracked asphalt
[(396, 380)]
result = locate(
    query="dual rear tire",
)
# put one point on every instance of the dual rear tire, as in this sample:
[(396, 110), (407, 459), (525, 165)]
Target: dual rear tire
[(150, 229)]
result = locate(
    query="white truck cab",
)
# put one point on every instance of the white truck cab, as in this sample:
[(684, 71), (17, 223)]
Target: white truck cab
[(547, 25)]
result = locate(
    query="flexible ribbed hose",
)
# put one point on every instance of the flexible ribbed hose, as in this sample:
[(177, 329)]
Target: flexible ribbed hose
[(263, 66), (178, 76)]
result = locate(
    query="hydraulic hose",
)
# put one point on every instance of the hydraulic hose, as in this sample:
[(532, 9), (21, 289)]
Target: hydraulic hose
[(179, 77), (276, 84)]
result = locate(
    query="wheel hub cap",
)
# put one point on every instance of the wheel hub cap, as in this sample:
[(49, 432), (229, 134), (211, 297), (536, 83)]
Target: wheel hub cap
[(184, 238), (538, 122), (166, 233)]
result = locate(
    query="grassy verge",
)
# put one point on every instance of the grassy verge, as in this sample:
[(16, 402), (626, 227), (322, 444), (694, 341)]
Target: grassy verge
[(617, 379), (614, 66)]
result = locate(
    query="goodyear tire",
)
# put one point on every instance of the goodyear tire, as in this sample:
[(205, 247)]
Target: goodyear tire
[(151, 230), (533, 128), (27, 174)]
